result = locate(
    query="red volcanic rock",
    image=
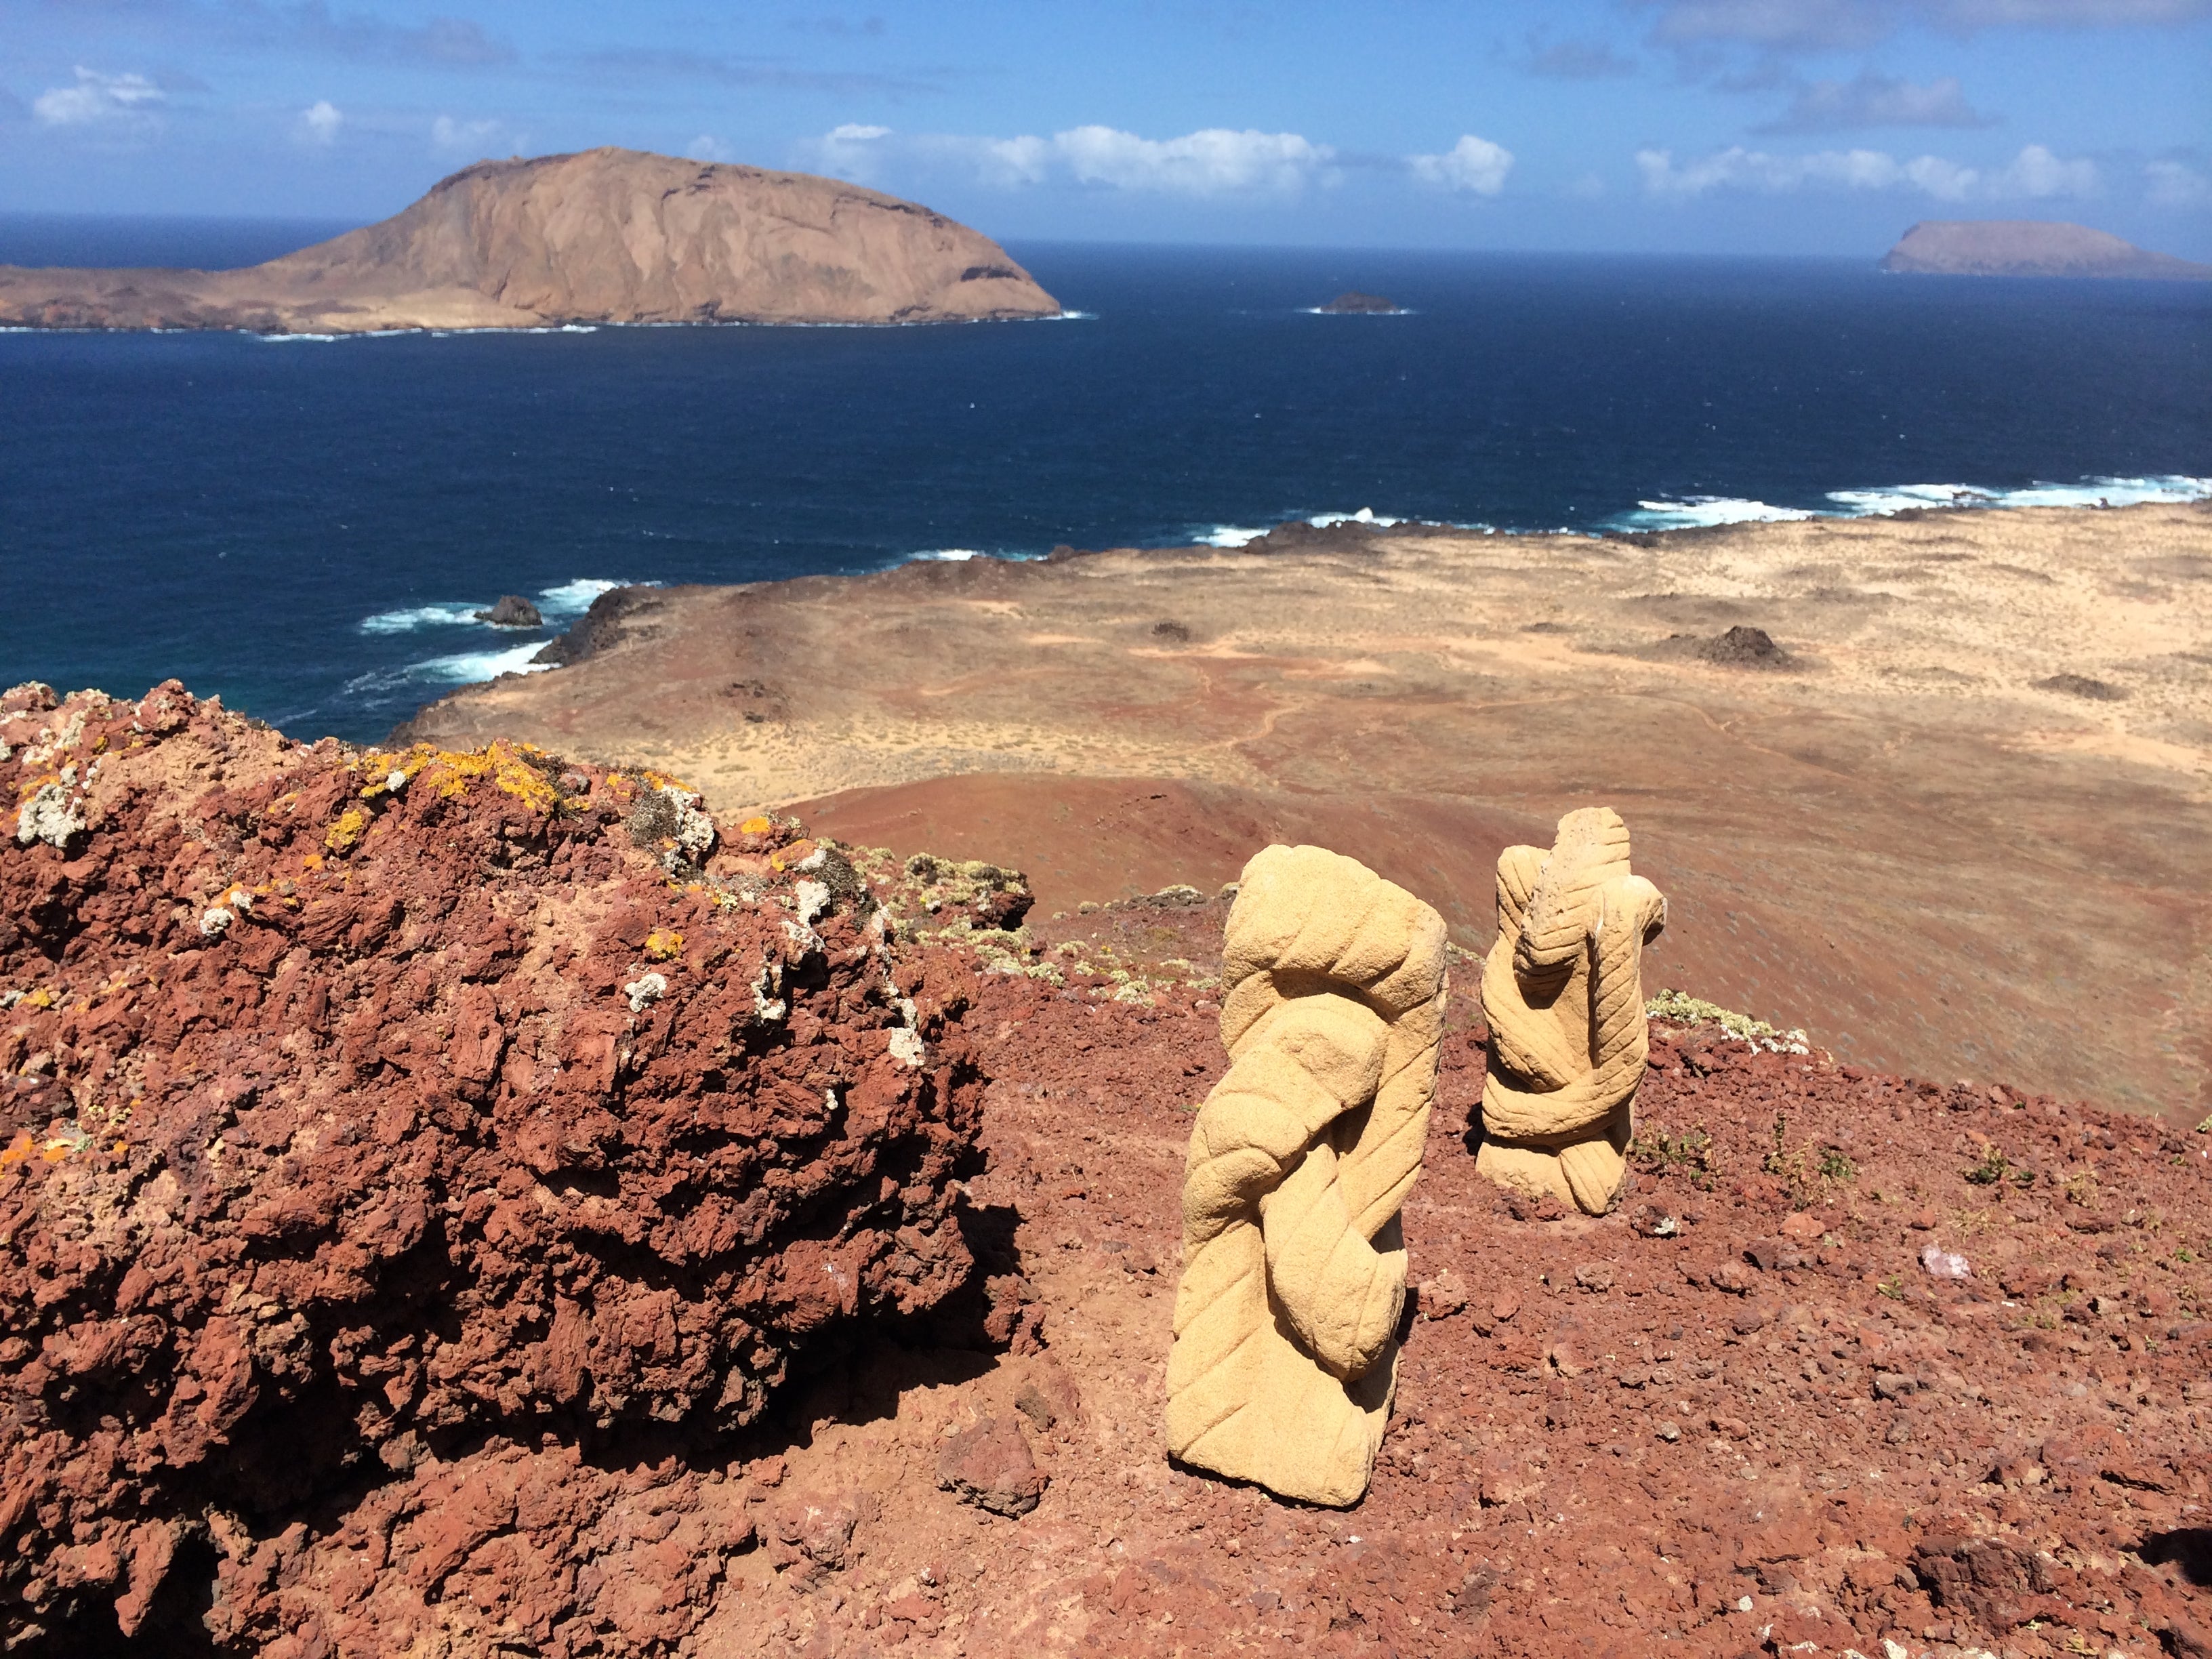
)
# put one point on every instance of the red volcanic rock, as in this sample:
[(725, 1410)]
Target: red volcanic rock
[(372, 1118), (990, 1467)]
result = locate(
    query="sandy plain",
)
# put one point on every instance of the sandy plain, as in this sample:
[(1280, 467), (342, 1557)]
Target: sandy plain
[(1960, 826)]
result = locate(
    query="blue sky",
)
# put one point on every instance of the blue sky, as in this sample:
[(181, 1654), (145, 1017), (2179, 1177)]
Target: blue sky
[(1783, 126)]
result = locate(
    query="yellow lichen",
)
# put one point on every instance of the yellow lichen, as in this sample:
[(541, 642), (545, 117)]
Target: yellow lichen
[(755, 826), (508, 765), (664, 945), (341, 836)]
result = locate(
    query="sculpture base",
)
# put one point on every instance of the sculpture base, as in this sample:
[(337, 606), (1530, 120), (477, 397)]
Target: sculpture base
[(1256, 1408), (1593, 1184)]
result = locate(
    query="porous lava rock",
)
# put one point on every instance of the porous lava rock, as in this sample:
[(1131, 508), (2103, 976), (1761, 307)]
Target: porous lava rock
[(512, 611), (388, 1136), (991, 1466)]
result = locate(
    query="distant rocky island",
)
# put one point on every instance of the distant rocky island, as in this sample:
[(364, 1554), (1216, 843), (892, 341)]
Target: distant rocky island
[(2029, 248), (1352, 303), (603, 236)]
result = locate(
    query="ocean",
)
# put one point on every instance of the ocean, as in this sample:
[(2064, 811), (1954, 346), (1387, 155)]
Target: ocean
[(307, 527)]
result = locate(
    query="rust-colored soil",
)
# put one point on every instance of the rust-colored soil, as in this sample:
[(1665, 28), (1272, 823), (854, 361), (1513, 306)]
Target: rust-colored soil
[(1737, 1416)]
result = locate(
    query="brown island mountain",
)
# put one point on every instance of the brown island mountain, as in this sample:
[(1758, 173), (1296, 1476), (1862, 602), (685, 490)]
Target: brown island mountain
[(2029, 248), (604, 236)]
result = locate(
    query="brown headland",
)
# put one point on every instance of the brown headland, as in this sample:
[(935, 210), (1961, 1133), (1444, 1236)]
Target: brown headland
[(603, 236), (1935, 786)]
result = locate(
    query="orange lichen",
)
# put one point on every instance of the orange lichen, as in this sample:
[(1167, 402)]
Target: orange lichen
[(664, 945), (755, 826), (515, 769), (19, 1150)]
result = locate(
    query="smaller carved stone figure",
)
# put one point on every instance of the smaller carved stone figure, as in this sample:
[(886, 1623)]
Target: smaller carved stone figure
[(1563, 992)]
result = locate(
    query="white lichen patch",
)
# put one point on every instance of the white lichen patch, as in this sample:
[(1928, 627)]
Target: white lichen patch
[(646, 990), (813, 900), (906, 1046), (215, 922), (48, 815), (1681, 1009)]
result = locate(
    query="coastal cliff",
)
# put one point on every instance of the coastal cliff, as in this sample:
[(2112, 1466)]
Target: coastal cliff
[(2027, 247), (603, 236)]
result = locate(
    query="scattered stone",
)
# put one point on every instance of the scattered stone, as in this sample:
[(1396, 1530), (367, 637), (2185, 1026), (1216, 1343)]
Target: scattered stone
[(990, 1466), (1745, 648), (512, 610), (1940, 1263), (2080, 685), (1442, 1295), (819, 1528)]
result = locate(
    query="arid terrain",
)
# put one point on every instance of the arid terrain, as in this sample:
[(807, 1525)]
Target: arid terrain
[(603, 236), (467, 1203), (1936, 787)]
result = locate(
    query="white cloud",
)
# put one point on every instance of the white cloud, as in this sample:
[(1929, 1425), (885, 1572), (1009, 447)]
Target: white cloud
[(707, 148), (320, 121), (465, 137), (2035, 173), (1211, 162), (97, 98), (1473, 164), (1215, 161), (2176, 184)]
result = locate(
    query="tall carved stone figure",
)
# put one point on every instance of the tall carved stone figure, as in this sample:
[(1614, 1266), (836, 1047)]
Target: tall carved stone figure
[(1563, 992), (1294, 1271)]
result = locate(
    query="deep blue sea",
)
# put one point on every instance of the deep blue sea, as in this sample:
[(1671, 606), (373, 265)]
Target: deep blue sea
[(305, 526)]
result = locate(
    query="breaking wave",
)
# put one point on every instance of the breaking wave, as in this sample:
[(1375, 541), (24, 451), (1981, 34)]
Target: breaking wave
[(1237, 535), (563, 603), (1695, 511)]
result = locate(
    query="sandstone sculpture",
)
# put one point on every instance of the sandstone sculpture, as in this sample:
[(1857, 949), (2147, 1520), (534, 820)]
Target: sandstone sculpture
[(1294, 1271), (1563, 993)]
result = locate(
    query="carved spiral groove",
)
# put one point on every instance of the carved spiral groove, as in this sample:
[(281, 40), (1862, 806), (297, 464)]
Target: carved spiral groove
[(1563, 993), (1294, 1274)]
